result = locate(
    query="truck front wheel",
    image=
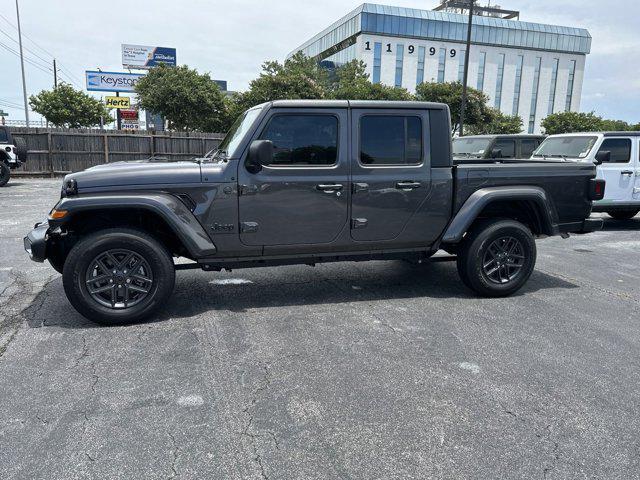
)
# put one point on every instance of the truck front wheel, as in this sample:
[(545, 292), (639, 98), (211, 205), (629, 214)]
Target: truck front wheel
[(5, 173), (497, 257), (118, 276)]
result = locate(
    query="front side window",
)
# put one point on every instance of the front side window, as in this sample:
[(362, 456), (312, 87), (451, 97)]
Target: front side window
[(390, 140), (303, 140), (508, 148), (620, 149)]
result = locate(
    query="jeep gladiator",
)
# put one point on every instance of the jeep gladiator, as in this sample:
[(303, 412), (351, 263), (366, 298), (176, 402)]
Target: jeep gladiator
[(303, 182)]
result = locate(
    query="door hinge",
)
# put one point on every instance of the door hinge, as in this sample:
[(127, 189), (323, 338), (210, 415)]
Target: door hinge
[(248, 227), (248, 189), (358, 223)]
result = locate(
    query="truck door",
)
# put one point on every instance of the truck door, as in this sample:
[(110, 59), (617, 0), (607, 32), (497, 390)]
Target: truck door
[(302, 196), (390, 171), (619, 172)]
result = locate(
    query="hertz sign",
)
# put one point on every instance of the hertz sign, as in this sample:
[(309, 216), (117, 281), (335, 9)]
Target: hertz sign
[(117, 102)]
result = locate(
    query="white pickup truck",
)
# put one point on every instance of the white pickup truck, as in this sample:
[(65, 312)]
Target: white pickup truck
[(617, 155)]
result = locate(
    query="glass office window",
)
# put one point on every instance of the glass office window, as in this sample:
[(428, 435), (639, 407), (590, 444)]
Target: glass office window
[(420, 75), (377, 62), (442, 63), (554, 82), (481, 67), (534, 95), (518, 85), (572, 75), (463, 54), (498, 99), (399, 61)]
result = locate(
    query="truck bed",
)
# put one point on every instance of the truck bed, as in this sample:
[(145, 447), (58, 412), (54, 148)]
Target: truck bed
[(565, 184)]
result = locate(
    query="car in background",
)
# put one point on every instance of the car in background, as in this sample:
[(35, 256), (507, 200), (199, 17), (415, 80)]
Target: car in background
[(13, 152), (495, 146), (617, 155)]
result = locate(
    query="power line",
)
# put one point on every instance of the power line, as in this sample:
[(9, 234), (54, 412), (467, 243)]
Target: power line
[(70, 76), (28, 60)]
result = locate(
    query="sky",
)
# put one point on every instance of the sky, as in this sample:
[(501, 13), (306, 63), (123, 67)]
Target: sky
[(230, 39)]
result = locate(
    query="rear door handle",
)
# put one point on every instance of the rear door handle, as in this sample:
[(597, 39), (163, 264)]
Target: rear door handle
[(408, 185), (330, 188), (626, 172)]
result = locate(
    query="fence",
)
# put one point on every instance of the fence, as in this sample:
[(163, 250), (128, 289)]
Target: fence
[(57, 151)]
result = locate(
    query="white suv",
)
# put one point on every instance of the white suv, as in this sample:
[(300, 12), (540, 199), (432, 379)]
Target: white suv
[(617, 155), (13, 151)]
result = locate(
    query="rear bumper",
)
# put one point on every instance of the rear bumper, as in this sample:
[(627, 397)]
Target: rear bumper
[(586, 226), (35, 244)]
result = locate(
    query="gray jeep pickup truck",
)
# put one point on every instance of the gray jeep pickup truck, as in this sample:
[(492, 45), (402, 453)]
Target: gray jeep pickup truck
[(303, 182)]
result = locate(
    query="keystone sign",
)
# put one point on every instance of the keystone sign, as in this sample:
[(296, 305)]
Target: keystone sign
[(117, 102), (111, 81), (143, 57)]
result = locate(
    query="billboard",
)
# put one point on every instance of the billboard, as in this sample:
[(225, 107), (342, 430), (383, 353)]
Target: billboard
[(129, 115), (111, 81), (144, 57), (117, 102)]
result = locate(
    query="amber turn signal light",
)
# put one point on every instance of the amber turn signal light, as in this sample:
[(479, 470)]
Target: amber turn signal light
[(57, 214)]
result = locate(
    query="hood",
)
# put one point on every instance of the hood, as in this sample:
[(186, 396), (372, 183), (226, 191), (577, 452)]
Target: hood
[(139, 172)]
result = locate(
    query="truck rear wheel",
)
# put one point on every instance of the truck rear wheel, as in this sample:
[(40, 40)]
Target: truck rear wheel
[(118, 276), (497, 257), (5, 173), (623, 214)]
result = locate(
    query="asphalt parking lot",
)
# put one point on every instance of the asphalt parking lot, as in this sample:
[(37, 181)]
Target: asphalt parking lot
[(367, 370)]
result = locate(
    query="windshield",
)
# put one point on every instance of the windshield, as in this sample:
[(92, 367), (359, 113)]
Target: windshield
[(470, 146), (237, 131), (566, 147)]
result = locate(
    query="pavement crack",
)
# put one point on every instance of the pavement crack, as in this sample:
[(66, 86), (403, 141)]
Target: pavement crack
[(174, 454)]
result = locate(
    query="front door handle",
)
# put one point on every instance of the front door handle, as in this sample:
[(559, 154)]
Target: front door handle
[(408, 185), (626, 172), (329, 188)]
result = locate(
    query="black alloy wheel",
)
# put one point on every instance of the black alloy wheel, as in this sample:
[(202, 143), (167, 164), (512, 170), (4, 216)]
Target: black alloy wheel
[(503, 260)]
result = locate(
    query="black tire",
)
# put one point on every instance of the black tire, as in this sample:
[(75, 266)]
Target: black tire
[(5, 173), (21, 148), (623, 214), (515, 257), (83, 262)]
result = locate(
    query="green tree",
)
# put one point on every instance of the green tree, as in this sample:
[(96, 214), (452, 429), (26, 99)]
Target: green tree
[(500, 124), (64, 106), (187, 99), (569, 122), (477, 112), (351, 82), (615, 126), (299, 77)]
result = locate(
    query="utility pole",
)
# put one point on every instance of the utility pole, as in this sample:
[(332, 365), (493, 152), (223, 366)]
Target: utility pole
[(118, 116), (463, 102), (55, 74), (24, 82)]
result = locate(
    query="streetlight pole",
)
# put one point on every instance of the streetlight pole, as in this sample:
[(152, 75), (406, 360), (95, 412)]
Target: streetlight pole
[(463, 102), (24, 82)]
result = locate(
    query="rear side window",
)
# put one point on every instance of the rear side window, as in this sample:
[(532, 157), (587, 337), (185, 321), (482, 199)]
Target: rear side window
[(303, 140), (4, 138), (390, 140), (508, 148), (620, 149), (528, 146)]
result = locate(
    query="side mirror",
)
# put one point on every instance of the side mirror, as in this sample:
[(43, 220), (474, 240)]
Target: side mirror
[(260, 154), (496, 153), (603, 156)]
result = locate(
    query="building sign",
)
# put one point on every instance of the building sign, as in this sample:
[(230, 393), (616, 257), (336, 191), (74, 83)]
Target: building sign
[(117, 102), (129, 119), (111, 81), (129, 115), (143, 57)]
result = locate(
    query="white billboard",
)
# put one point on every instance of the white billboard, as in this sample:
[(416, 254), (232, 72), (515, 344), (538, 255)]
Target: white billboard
[(145, 57), (112, 81)]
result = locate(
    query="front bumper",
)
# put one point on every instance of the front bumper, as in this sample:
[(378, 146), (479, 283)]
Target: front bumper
[(35, 244)]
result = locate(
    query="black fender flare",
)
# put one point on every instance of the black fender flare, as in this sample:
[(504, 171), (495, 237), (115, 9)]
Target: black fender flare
[(170, 208), (485, 196)]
